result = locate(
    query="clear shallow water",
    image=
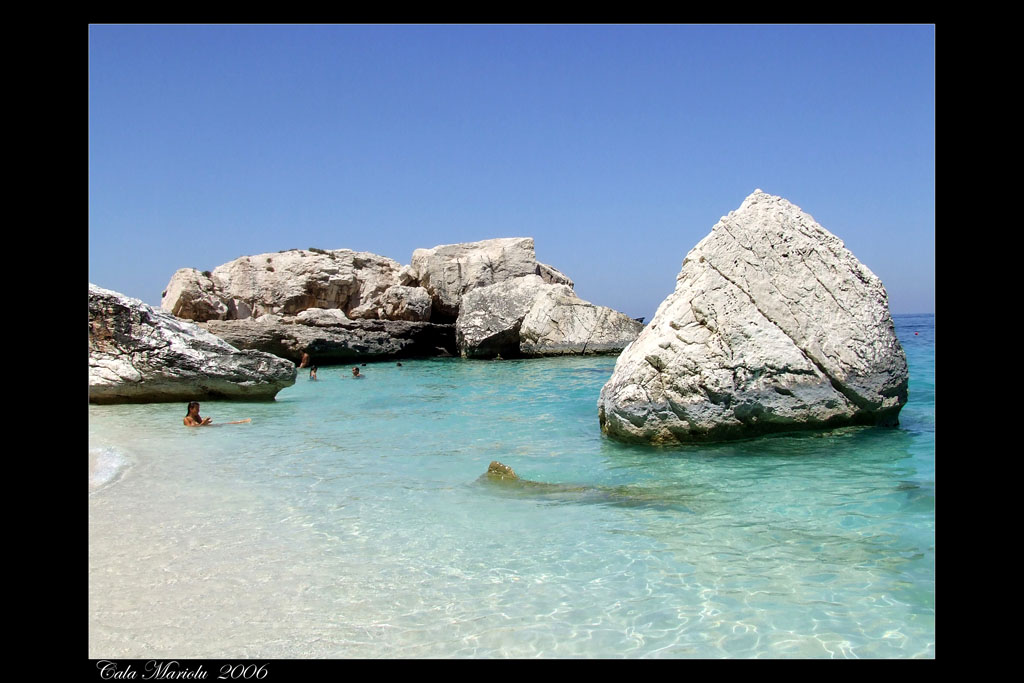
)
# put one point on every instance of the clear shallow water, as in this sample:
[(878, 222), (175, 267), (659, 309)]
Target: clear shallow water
[(347, 521)]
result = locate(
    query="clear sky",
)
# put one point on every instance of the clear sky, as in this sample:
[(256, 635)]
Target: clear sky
[(616, 147)]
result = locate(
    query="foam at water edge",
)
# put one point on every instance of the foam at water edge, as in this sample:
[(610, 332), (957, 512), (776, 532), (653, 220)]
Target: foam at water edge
[(106, 465)]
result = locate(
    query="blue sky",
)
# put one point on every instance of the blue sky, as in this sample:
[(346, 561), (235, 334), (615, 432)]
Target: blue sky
[(616, 147)]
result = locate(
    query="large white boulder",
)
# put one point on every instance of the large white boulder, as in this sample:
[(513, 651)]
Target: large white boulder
[(193, 295), (138, 354), (773, 325), (401, 302), (559, 323), (450, 271), (526, 316), (490, 317)]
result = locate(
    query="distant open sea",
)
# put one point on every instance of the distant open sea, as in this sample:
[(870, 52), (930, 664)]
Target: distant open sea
[(347, 520)]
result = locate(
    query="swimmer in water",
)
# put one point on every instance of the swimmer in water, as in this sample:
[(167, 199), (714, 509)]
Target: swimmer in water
[(193, 419), (355, 373)]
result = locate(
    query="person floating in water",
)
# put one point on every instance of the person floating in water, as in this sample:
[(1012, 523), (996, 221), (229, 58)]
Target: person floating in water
[(355, 373), (312, 372), (193, 419)]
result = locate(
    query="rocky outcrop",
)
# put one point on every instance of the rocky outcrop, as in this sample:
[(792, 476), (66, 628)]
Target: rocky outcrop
[(774, 325), (329, 337), (284, 283), (490, 317), (401, 302), (138, 355), (526, 317), (192, 295), (316, 298), (450, 271), (560, 323), (552, 275)]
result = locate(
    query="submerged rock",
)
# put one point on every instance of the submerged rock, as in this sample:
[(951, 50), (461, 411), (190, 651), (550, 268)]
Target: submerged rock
[(773, 325), (138, 355), (503, 478), (500, 471)]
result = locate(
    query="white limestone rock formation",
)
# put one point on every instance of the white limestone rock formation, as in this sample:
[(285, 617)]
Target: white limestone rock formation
[(450, 271), (316, 317), (193, 295), (490, 317), (774, 325), (313, 288), (285, 283), (559, 323), (553, 276), (400, 302), (526, 316), (139, 355), (359, 284)]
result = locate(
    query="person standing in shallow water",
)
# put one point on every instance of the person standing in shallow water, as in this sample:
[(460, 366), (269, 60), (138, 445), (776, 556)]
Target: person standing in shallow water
[(193, 419), (312, 372)]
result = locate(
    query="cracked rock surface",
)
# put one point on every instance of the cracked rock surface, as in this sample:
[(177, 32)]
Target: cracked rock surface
[(286, 283), (774, 325), (138, 355), (450, 271), (338, 305), (527, 316), (559, 322)]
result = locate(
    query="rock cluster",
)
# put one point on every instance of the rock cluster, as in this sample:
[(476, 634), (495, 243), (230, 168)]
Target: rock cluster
[(452, 298), (451, 271), (138, 354), (526, 316), (284, 283), (774, 325)]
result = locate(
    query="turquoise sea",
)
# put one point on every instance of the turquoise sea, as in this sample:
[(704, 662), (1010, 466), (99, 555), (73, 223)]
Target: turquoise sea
[(347, 520)]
